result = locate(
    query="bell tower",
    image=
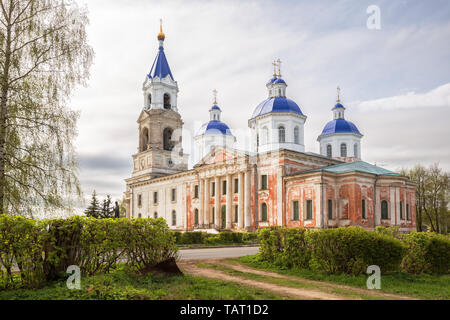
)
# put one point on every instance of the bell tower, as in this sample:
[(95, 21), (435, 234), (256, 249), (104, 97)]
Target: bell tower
[(160, 149)]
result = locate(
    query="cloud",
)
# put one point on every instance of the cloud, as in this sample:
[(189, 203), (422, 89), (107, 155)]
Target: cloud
[(439, 97)]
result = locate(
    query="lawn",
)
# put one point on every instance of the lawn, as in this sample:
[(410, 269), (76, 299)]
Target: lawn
[(122, 285), (420, 286)]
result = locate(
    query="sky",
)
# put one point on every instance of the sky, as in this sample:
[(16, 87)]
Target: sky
[(395, 80)]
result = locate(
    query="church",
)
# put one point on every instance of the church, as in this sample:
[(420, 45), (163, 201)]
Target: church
[(275, 183)]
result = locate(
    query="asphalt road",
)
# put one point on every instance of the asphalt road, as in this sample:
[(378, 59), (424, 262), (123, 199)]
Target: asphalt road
[(216, 253)]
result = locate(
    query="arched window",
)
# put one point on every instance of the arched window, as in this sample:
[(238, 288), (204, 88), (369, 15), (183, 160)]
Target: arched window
[(384, 210), (329, 151), (145, 138), (155, 215), (174, 218), (355, 150), (167, 101), (296, 135), (196, 217), (343, 150), (265, 134), (167, 138), (149, 99), (264, 212), (281, 134)]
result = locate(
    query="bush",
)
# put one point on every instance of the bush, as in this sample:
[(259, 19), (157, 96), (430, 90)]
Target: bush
[(426, 253), (351, 250), (42, 250), (342, 250), (286, 247), (197, 237)]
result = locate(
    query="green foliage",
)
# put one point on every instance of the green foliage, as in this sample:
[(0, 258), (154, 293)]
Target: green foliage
[(286, 247), (42, 250), (205, 238), (147, 242), (351, 250), (426, 253), (341, 250)]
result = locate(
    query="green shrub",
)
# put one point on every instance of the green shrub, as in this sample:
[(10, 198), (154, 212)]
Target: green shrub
[(286, 247), (43, 250), (351, 250), (426, 253), (148, 242)]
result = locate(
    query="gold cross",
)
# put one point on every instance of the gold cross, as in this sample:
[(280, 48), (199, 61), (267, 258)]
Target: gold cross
[(215, 96), (160, 25), (274, 63), (279, 67), (338, 94)]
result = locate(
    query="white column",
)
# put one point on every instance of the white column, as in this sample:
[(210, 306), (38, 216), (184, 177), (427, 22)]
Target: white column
[(206, 219), (201, 191), (217, 203), (247, 191), (229, 201), (241, 201)]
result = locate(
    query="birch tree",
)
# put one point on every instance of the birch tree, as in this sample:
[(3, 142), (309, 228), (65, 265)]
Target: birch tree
[(44, 54)]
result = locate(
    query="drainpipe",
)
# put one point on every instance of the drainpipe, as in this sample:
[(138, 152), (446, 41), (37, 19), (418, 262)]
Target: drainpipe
[(255, 171), (322, 198), (375, 203)]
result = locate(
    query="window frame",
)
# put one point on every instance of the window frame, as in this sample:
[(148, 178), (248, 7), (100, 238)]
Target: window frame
[(363, 209), (344, 150), (139, 200), (264, 213), (173, 195), (384, 211), (281, 134), (330, 151), (309, 210), (264, 182), (174, 218), (196, 189), (330, 209), (236, 213), (236, 185), (295, 210)]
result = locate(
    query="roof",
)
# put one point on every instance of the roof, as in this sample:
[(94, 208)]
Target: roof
[(338, 105), (340, 126), (160, 67), (273, 80), (279, 80), (360, 166), (214, 127), (277, 104), (215, 107)]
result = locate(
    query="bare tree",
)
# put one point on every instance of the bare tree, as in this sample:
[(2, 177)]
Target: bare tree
[(43, 55)]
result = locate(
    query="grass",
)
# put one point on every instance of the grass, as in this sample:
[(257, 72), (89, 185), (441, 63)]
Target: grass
[(422, 286), (122, 285), (293, 284)]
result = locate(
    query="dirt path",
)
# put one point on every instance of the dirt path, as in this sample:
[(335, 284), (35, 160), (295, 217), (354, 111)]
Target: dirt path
[(242, 268), (190, 267)]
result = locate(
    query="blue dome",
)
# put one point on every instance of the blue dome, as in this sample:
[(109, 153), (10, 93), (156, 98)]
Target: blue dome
[(340, 126), (338, 105), (277, 104), (279, 80), (273, 80), (214, 127), (215, 107)]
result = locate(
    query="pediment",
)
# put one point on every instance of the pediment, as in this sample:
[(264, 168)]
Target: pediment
[(142, 116), (221, 154)]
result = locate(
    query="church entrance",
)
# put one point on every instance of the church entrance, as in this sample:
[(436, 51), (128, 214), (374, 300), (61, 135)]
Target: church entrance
[(224, 217)]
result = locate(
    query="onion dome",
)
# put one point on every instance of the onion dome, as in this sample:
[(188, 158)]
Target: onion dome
[(276, 105)]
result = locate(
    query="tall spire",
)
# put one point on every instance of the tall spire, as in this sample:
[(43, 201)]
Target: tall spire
[(279, 68), (161, 35), (338, 100)]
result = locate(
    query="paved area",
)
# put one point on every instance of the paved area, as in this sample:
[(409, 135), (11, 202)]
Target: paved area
[(217, 253)]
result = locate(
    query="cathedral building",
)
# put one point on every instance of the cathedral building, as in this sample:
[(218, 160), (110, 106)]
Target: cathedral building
[(275, 183)]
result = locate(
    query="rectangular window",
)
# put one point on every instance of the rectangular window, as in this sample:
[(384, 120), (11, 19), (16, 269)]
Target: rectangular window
[(330, 209), (295, 211), (408, 217), (174, 194), (155, 197), (363, 209), (224, 187), (139, 200), (196, 191), (236, 185), (309, 210), (401, 210), (264, 182), (236, 214), (213, 191)]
